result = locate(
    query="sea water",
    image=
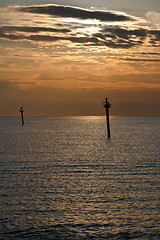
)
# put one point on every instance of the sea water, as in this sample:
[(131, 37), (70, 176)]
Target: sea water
[(62, 178)]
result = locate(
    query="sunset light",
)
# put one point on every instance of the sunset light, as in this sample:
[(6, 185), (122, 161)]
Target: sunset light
[(73, 49), (79, 119)]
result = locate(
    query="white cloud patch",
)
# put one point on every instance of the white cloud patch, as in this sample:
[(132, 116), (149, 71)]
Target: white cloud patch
[(154, 18)]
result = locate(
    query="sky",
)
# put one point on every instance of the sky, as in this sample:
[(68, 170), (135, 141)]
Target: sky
[(63, 58)]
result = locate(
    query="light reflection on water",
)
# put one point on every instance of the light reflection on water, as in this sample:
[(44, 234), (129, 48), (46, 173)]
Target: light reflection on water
[(61, 178)]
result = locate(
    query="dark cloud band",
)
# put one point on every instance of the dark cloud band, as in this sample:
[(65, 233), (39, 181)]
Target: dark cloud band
[(73, 12), (113, 37), (32, 29)]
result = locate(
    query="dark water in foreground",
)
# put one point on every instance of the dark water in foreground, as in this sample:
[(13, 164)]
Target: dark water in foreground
[(61, 178)]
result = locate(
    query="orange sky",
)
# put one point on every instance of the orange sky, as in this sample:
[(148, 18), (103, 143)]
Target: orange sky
[(56, 64)]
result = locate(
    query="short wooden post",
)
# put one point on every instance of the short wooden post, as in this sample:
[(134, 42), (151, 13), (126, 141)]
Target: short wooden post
[(107, 105), (21, 111)]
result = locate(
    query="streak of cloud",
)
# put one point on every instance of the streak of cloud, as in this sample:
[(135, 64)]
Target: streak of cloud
[(31, 29), (74, 12), (140, 59), (112, 37)]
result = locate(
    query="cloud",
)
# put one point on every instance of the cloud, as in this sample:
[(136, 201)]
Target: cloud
[(141, 59), (121, 37), (155, 34), (74, 12), (154, 18), (32, 29), (45, 38), (104, 34), (113, 37), (126, 34), (150, 53)]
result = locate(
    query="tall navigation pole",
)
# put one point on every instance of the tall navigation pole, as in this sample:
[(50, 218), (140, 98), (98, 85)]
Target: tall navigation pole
[(21, 111), (107, 105)]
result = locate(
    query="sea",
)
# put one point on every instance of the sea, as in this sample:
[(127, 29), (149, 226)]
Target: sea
[(62, 178)]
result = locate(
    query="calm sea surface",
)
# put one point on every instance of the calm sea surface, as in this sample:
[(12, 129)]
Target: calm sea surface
[(61, 178)]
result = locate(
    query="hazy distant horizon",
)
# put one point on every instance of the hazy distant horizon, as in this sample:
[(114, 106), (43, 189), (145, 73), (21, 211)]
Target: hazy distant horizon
[(72, 116)]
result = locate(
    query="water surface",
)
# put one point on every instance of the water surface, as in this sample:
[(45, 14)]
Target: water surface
[(61, 178)]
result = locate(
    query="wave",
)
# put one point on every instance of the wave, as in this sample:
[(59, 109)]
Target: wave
[(78, 232)]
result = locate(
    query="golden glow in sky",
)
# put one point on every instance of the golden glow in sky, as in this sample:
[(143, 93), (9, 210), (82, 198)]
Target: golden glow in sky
[(64, 60)]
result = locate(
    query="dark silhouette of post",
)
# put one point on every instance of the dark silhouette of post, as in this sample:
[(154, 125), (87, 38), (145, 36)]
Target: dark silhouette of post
[(107, 105), (21, 111)]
